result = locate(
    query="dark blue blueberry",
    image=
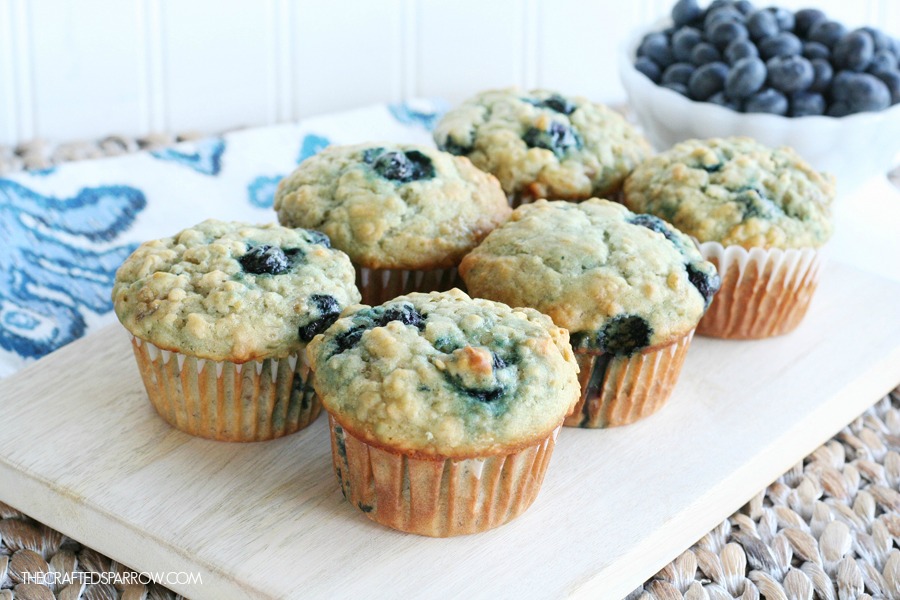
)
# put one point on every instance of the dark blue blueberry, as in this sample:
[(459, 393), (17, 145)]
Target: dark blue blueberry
[(805, 18), (724, 32), (405, 313), (783, 17), (624, 335), (783, 44), (678, 73), (739, 49), (892, 80), (826, 32), (488, 395), (677, 87), (707, 80), (746, 77), (265, 260), (654, 223), (348, 339), (838, 109), (655, 46), (767, 101), (790, 74), (805, 104), (683, 41), (497, 362), (706, 284), (822, 74), (559, 104), (317, 237), (453, 147), (402, 167), (744, 6), (722, 100), (757, 204), (559, 138), (762, 25), (328, 309), (813, 50), (883, 60), (854, 51), (705, 53), (721, 15), (867, 93), (881, 39), (645, 66), (840, 85), (685, 11)]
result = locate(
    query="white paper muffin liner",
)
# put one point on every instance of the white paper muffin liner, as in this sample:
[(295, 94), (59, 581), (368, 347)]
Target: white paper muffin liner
[(226, 401), (764, 293), (438, 497), (377, 286)]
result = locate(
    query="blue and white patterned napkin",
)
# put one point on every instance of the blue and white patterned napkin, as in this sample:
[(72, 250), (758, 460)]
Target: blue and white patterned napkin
[(65, 230)]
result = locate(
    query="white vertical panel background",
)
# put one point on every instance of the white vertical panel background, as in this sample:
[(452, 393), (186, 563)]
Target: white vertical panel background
[(88, 68)]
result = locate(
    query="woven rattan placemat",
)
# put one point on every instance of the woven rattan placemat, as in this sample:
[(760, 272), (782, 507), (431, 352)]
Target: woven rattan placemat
[(829, 528)]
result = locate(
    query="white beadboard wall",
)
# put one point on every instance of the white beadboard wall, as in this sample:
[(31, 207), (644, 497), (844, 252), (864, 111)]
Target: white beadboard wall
[(72, 69)]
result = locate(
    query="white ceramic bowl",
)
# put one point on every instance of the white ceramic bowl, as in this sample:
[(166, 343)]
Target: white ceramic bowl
[(855, 149)]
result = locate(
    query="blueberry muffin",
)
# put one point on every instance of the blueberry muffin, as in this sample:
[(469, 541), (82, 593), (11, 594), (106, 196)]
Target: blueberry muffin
[(540, 144), (405, 214), (761, 215), (437, 399), (629, 288), (220, 315)]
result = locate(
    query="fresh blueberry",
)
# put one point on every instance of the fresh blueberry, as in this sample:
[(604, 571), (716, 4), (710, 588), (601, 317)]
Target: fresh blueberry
[(677, 87), (739, 49), (399, 166), (705, 53), (329, 310), (624, 335), (783, 44), (723, 100), (806, 104), (453, 147), (685, 11), (317, 237), (883, 60), (642, 64), (723, 32), (265, 260), (783, 17), (744, 6), (822, 74), (881, 39), (854, 51), (559, 138), (892, 80), (790, 74), (762, 25), (655, 46), (707, 80), (767, 101), (746, 77), (683, 41), (840, 85), (678, 73), (813, 50), (706, 284), (826, 32), (721, 15), (838, 109), (559, 104), (805, 18), (405, 313), (867, 93)]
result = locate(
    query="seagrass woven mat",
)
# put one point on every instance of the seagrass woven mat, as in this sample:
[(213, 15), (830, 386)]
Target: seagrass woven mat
[(829, 528)]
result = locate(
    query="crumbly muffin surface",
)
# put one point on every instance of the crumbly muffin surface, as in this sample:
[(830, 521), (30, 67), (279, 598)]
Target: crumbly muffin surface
[(618, 281), (540, 144), (233, 291), (736, 191), (393, 205), (445, 375)]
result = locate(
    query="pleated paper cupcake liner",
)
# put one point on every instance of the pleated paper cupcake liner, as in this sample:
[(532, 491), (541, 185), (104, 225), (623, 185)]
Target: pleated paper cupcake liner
[(232, 402), (618, 390), (438, 497), (377, 286), (764, 293)]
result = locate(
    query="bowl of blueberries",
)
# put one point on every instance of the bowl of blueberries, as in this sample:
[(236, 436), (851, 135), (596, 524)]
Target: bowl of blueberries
[(782, 77)]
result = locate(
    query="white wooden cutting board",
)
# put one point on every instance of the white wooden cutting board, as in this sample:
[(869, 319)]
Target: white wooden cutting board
[(82, 450)]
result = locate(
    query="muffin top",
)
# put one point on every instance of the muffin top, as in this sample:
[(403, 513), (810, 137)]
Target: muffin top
[(736, 191), (442, 374), (619, 282), (234, 292), (543, 145), (393, 205)]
